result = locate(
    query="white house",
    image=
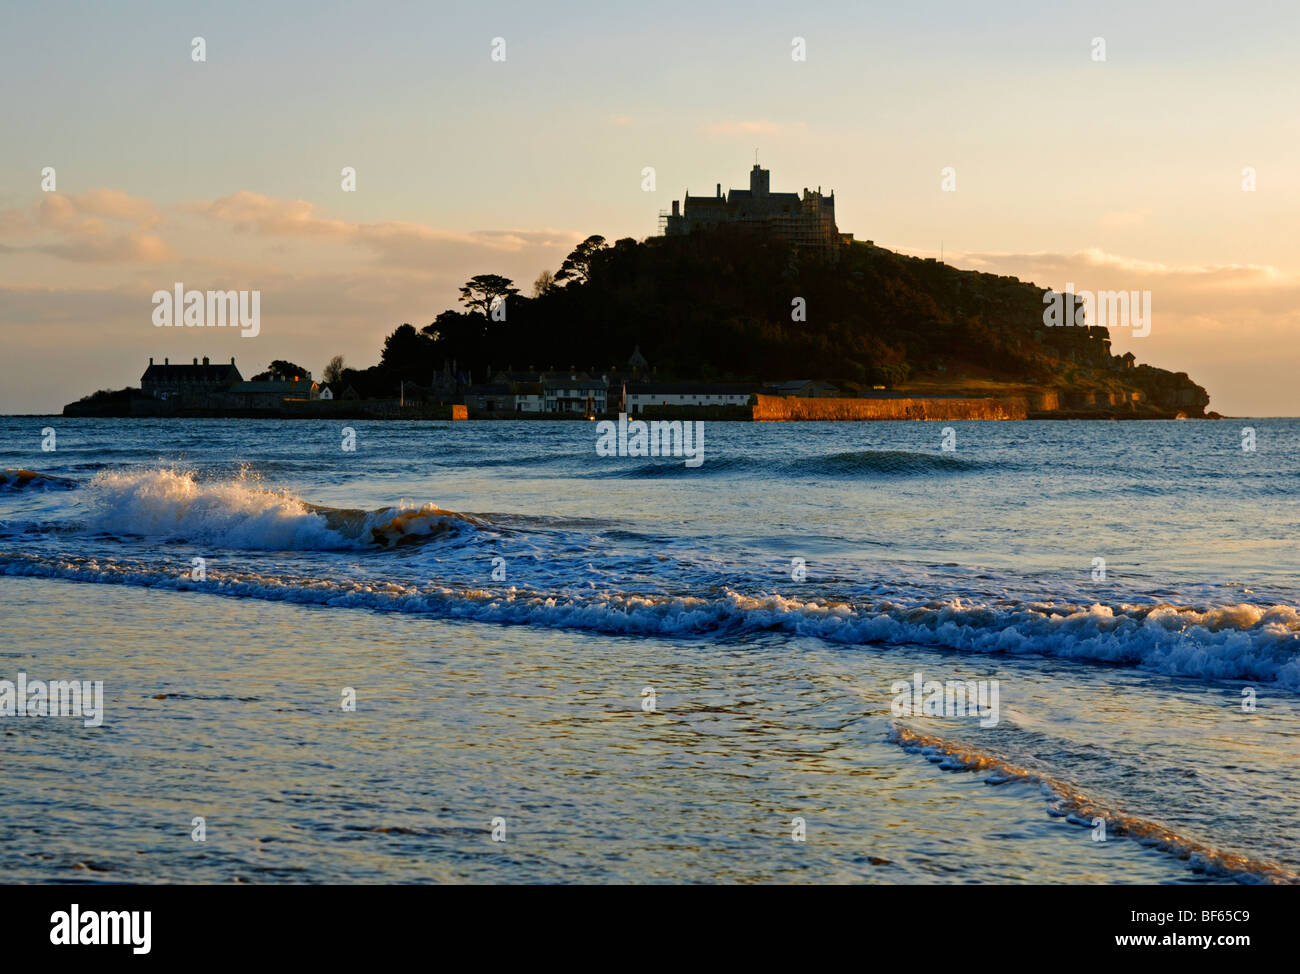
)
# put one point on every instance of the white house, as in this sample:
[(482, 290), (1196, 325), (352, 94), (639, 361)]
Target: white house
[(570, 394), (640, 395), (529, 402)]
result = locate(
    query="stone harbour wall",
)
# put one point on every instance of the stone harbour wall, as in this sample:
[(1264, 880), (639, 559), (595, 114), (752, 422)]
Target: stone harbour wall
[(793, 408)]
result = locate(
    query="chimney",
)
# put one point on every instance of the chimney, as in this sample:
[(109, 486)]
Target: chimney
[(151, 360), (166, 362), (205, 360), (232, 360), (676, 212), (719, 190), (196, 360)]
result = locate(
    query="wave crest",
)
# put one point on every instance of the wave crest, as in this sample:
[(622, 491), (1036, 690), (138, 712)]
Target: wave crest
[(14, 479), (1070, 804), (240, 513), (1235, 642)]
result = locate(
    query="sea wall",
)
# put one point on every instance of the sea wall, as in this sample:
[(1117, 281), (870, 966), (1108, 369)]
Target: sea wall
[(1045, 402), (342, 409), (793, 408)]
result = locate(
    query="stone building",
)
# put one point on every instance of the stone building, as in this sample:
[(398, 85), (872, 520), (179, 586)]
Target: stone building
[(196, 381), (805, 221), (270, 393)]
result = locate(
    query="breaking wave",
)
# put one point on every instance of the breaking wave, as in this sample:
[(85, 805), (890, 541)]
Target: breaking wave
[(1079, 809), (19, 479), (239, 513), (1232, 642)]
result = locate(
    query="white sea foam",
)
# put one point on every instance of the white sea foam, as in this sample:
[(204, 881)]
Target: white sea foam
[(237, 513), (1237, 642), (1080, 809), (242, 514)]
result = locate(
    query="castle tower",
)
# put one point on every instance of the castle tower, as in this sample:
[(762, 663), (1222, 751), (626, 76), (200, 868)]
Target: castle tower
[(758, 181)]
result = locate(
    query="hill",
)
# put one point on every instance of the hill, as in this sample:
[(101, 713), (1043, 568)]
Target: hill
[(722, 306)]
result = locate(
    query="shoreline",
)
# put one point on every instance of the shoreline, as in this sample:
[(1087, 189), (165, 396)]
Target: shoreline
[(1061, 416), (763, 409)]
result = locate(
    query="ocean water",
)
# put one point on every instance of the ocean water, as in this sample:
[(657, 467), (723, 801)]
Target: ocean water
[(502, 602)]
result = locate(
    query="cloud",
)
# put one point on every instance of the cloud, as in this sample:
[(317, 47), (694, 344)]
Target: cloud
[(395, 241), (1100, 262), (59, 210), (117, 205), (78, 273), (109, 226), (144, 248), (1230, 326), (13, 222), (255, 213), (98, 226)]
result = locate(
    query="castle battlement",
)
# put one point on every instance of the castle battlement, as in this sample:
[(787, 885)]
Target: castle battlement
[(806, 220)]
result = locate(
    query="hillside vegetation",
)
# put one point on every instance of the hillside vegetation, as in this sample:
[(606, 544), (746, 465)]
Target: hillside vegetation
[(718, 306)]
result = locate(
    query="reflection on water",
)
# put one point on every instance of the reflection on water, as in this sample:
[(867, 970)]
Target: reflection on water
[(231, 710)]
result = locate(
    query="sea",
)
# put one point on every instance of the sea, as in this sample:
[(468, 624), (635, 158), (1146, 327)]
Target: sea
[(483, 652)]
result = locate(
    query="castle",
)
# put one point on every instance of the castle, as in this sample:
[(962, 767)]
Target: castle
[(805, 221)]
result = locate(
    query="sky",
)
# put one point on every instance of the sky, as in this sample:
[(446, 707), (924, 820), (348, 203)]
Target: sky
[(226, 173)]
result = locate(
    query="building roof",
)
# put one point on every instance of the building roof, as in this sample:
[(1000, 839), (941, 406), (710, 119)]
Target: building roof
[(272, 385), (800, 383), (167, 372), (688, 389), (567, 375), (503, 376), (740, 195)]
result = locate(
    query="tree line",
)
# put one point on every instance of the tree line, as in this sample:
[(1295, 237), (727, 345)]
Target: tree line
[(726, 305)]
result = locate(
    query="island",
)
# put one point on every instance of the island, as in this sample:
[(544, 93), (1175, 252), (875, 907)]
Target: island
[(748, 306)]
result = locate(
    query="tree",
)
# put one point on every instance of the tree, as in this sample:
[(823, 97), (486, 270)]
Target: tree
[(482, 292), (544, 284), (402, 347), (578, 265), (282, 368), (333, 370)]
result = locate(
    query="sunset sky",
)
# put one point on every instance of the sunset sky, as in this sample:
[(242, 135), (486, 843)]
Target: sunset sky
[(225, 174)]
